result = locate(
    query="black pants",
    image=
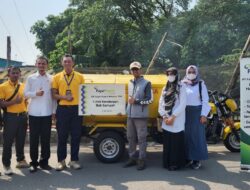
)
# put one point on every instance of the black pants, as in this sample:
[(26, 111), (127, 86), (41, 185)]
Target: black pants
[(40, 129), (15, 127), (68, 122), (173, 149)]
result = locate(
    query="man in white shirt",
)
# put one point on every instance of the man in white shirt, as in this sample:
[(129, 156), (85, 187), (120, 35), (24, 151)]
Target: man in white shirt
[(41, 108)]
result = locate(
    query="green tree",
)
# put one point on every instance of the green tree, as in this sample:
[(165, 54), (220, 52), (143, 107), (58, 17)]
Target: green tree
[(46, 31)]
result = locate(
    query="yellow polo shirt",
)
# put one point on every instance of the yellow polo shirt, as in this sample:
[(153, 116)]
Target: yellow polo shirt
[(61, 85), (6, 91)]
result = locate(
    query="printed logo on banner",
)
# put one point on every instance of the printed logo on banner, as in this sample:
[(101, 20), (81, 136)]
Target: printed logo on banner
[(247, 67), (98, 90)]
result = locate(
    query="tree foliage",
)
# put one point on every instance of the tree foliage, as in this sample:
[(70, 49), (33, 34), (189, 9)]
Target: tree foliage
[(114, 33)]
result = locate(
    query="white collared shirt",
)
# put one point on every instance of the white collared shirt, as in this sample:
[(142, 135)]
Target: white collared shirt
[(39, 105)]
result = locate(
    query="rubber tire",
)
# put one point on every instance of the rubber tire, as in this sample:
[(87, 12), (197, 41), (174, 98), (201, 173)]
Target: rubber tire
[(228, 145), (115, 137)]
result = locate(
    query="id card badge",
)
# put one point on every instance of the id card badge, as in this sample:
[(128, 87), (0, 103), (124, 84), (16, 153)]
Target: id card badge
[(68, 93)]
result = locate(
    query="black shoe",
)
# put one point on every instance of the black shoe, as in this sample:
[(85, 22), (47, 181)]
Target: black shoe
[(141, 164), (45, 167), (33, 169), (130, 162), (173, 168), (196, 165)]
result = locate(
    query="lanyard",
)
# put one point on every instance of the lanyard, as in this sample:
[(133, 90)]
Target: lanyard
[(68, 82)]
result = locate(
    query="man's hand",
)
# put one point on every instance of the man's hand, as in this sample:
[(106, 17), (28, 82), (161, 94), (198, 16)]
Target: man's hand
[(40, 92), (69, 98), (203, 120), (131, 100), (18, 100)]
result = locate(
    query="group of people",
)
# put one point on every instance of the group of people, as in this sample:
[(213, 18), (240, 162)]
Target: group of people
[(183, 107), (49, 98)]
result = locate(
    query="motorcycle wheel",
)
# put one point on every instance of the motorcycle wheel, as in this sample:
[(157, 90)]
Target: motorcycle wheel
[(231, 142)]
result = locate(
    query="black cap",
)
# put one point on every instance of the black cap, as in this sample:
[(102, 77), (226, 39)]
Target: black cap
[(173, 70)]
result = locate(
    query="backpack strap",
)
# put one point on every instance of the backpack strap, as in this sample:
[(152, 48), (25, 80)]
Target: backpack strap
[(14, 94), (11, 97), (200, 89)]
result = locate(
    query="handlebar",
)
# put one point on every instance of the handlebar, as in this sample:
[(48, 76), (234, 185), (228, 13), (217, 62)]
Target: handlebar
[(212, 92)]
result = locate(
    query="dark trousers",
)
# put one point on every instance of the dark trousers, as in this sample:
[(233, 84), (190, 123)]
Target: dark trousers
[(173, 149), (15, 127), (68, 122), (40, 129)]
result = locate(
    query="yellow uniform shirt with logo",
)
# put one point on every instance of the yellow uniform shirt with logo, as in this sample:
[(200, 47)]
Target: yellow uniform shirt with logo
[(60, 83), (7, 89)]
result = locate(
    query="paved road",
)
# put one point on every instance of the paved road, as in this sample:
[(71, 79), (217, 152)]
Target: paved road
[(220, 172)]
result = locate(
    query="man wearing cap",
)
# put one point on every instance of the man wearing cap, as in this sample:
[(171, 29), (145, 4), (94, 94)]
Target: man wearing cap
[(139, 97)]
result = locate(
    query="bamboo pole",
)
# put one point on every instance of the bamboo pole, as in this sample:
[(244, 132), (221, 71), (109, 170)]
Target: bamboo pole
[(236, 72), (156, 53)]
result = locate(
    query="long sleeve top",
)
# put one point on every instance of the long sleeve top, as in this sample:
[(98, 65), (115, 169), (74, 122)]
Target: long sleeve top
[(39, 105), (178, 111), (140, 90), (194, 99)]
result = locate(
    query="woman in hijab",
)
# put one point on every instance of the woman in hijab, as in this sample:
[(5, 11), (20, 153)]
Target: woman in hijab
[(197, 110), (172, 105)]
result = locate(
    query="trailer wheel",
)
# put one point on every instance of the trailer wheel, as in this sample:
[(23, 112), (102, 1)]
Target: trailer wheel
[(109, 147)]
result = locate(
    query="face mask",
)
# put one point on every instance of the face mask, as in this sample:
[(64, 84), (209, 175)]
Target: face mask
[(191, 76), (171, 78)]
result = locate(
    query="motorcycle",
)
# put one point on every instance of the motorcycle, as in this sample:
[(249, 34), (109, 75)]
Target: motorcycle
[(221, 124)]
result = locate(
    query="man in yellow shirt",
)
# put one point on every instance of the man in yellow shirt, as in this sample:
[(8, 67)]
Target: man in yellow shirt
[(15, 119), (65, 87)]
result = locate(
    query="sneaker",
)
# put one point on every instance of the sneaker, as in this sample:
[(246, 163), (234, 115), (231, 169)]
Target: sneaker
[(22, 164), (61, 166), (130, 162), (7, 170), (45, 167), (141, 164), (74, 165), (196, 165), (33, 169)]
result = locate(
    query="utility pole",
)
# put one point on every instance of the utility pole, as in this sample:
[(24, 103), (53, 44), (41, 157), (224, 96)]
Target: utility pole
[(8, 51)]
